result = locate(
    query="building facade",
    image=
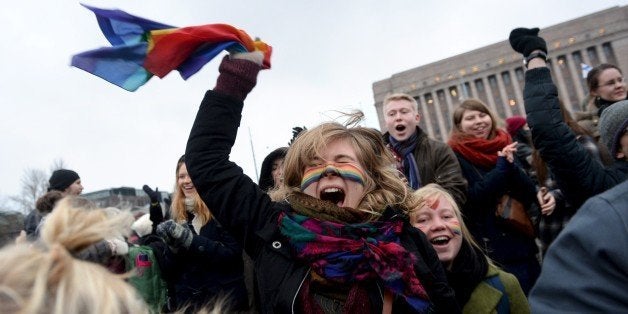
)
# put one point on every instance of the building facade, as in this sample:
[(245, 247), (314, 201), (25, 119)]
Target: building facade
[(495, 73), (122, 197)]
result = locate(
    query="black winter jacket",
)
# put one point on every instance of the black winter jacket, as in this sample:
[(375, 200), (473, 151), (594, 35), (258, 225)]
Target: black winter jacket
[(438, 164), (212, 266), (252, 218), (577, 174), (486, 187)]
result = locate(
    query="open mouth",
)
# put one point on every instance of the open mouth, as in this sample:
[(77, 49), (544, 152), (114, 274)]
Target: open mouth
[(439, 241), (333, 195), (400, 128)]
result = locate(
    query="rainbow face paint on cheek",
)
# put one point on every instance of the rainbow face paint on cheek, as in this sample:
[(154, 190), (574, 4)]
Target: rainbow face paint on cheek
[(454, 226), (345, 171)]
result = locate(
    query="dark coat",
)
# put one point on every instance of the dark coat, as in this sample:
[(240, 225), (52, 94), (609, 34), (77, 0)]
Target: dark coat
[(211, 267), (509, 248), (252, 218), (437, 164), (577, 174)]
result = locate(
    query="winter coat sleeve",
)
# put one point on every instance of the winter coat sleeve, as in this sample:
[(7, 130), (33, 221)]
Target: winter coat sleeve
[(586, 267), (448, 173), (486, 188), (237, 202), (578, 175), (222, 248)]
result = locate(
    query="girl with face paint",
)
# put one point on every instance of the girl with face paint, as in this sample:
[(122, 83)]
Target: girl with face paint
[(469, 271), (333, 237)]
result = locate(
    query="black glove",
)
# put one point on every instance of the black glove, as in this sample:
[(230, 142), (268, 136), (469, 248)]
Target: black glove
[(526, 40), (155, 196), (175, 234)]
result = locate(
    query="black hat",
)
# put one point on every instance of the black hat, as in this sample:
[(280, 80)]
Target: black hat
[(61, 179), (266, 181)]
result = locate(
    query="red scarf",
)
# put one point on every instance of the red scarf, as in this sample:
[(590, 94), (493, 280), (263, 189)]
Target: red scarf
[(480, 151)]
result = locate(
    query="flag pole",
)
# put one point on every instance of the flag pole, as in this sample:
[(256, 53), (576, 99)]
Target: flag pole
[(253, 153)]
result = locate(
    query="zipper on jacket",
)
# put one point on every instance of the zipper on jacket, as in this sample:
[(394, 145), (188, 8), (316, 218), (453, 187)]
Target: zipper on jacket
[(294, 299)]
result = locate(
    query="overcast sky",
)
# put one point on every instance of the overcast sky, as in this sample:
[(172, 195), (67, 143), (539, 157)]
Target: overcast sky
[(326, 56)]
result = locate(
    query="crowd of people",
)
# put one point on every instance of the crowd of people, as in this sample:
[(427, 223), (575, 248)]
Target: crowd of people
[(527, 215)]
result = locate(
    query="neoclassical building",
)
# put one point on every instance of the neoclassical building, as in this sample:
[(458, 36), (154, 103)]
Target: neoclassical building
[(495, 73)]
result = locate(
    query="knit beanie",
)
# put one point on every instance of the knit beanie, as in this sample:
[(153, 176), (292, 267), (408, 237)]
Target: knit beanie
[(612, 124), (514, 123), (61, 179)]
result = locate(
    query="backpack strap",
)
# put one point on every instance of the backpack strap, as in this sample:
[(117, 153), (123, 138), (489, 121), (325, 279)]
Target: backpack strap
[(503, 307)]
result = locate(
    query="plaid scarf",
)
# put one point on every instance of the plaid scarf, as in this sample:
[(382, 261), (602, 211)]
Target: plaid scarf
[(356, 252)]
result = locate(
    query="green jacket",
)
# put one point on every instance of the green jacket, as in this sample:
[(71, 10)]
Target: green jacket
[(484, 298)]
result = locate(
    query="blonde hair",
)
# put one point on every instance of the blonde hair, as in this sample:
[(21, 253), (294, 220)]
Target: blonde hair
[(401, 96), (44, 277), (382, 186), (432, 190), (178, 210)]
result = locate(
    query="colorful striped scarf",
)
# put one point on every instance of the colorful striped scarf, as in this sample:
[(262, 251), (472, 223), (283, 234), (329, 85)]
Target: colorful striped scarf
[(358, 252), (142, 48)]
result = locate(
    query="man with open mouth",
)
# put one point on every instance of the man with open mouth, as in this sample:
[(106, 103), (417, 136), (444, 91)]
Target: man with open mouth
[(421, 159)]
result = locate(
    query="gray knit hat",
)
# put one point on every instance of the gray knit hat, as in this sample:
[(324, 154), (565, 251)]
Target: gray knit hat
[(612, 124)]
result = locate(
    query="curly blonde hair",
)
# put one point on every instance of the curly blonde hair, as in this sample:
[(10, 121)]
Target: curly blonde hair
[(382, 187)]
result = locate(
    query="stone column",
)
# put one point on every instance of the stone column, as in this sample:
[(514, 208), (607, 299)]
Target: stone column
[(575, 77), (425, 115), (439, 115), (503, 94), (517, 88)]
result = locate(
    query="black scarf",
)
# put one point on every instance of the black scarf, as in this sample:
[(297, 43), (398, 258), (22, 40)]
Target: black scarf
[(602, 104), (468, 270)]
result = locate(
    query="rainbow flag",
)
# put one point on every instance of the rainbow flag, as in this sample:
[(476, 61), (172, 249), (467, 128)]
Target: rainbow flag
[(142, 48)]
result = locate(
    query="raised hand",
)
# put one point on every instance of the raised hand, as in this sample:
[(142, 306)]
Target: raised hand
[(509, 152), (526, 40), (155, 196)]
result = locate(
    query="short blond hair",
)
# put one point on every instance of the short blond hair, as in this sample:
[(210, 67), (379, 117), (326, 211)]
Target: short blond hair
[(401, 96)]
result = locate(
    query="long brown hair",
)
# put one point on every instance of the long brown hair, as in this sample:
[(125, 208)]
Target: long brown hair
[(178, 210)]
